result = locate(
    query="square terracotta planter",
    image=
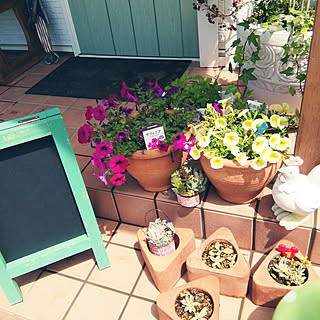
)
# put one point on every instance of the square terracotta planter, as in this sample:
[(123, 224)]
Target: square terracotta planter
[(233, 281), (166, 300), (265, 290), (167, 270)]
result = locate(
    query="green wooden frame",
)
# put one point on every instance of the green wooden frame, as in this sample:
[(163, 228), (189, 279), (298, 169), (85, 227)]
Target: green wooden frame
[(34, 127)]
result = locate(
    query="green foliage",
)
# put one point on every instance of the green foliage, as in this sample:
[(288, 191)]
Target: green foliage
[(217, 257), (159, 233), (188, 181)]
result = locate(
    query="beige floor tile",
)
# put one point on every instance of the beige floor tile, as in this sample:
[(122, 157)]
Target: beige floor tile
[(7, 315), (146, 287), (183, 280), (60, 101), (229, 308), (5, 105), (82, 161), (316, 268), (106, 228), (257, 259), (73, 118), (252, 312), (13, 94), (77, 266), (126, 265), (33, 98), (18, 110), (97, 304), (30, 80), (82, 103), (140, 309), (126, 235), (246, 254), (25, 282), (49, 298)]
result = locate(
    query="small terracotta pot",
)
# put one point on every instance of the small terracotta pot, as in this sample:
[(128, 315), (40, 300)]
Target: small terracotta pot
[(233, 281), (167, 270), (163, 250), (153, 168), (188, 201), (265, 290), (238, 184), (166, 300)]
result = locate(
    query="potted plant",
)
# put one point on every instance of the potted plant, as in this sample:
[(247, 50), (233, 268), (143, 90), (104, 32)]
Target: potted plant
[(187, 183), (283, 269), (145, 134), (272, 49), (241, 145)]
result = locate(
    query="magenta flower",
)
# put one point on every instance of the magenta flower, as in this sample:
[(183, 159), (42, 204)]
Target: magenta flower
[(118, 164), (104, 149), (113, 102), (157, 91), (173, 90), (118, 179), (179, 140), (88, 113), (102, 178), (121, 135), (84, 133), (217, 108), (124, 89), (132, 98), (99, 113), (140, 133), (153, 146), (150, 84), (155, 140), (188, 145), (97, 161), (163, 146)]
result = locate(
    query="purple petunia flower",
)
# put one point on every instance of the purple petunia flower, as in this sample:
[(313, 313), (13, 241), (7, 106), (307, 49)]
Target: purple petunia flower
[(102, 178), (163, 146), (122, 135), (88, 113), (191, 106), (201, 117), (118, 179), (118, 164), (150, 84), (173, 90), (126, 111), (104, 149), (84, 133), (99, 113), (124, 89), (217, 108), (157, 91), (179, 140)]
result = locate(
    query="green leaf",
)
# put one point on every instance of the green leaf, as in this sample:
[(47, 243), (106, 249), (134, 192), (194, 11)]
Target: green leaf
[(288, 72), (255, 56), (245, 24), (253, 39), (231, 88), (235, 43), (247, 75), (230, 67), (292, 91), (249, 93), (301, 76), (227, 250)]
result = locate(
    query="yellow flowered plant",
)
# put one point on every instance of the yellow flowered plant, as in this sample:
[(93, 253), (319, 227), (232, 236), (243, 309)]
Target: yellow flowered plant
[(232, 130)]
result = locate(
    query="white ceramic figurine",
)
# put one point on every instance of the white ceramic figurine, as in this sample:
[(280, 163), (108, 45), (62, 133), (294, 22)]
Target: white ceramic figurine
[(295, 195)]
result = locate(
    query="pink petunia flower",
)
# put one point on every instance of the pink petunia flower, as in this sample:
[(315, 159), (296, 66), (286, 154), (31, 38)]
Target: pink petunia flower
[(118, 179), (163, 146), (179, 140), (124, 89), (104, 149), (217, 108), (102, 178), (140, 133), (99, 113), (97, 161), (121, 135), (132, 98), (118, 164), (84, 133), (88, 113)]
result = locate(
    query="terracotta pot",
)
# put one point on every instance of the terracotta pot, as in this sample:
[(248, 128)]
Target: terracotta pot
[(265, 290), (153, 168), (167, 270), (233, 281), (166, 300), (163, 250), (238, 184), (188, 201)]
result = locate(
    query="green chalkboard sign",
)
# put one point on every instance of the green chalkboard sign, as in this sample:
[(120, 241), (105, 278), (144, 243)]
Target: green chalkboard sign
[(45, 212)]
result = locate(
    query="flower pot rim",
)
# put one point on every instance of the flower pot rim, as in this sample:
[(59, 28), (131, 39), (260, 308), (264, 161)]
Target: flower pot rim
[(185, 196), (150, 154)]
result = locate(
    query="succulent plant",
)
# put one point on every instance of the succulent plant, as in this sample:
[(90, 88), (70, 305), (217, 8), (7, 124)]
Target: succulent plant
[(159, 233), (200, 315), (218, 254), (188, 180), (189, 303)]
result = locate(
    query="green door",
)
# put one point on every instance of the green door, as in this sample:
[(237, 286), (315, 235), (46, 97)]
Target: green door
[(140, 28)]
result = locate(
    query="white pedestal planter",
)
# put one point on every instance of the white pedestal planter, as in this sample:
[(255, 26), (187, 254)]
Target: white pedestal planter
[(271, 86)]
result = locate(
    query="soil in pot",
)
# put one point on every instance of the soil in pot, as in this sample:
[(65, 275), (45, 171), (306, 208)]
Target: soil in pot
[(219, 255), (193, 302)]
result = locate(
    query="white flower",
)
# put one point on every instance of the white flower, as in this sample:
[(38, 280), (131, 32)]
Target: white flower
[(193, 129), (284, 144), (257, 123), (220, 123), (208, 154), (242, 158), (247, 125), (231, 139), (282, 122), (216, 163), (258, 163), (242, 113), (204, 141), (194, 153), (265, 153), (259, 144), (274, 141), (210, 132), (285, 107), (275, 107), (274, 157), (274, 120), (234, 150)]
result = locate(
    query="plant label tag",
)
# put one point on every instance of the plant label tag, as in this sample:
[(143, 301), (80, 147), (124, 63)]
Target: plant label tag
[(254, 105), (153, 130), (170, 224)]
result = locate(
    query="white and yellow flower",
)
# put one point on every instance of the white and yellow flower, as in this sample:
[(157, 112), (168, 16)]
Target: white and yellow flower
[(265, 153), (284, 144), (274, 141), (256, 123), (264, 117), (231, 139), (242, 158), (220, 123), (243, 113), (203, 141), (208, 154), (258, 163), (275, 107), (195, 153), (247, 125), (274, 157), (259, 144), (274, 120), (282, 122), (216, 163), (193, 129), (209, 134), (285, 107), (225, 102), (234, 150)]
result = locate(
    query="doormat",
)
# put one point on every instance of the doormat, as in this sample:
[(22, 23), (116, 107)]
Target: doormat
[(99, 78)]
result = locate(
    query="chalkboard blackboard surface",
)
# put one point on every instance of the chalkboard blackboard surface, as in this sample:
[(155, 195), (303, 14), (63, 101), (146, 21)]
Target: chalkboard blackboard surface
[(45, 212)]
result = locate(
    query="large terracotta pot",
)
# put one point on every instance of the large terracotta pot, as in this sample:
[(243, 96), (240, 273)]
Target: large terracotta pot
[(238, 184), (153, 168)]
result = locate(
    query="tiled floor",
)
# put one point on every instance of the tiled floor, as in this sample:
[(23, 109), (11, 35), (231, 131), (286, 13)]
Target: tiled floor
[(75, 288)]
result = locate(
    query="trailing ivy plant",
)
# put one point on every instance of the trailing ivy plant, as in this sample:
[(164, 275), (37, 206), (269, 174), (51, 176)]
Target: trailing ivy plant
[(296, 17)]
